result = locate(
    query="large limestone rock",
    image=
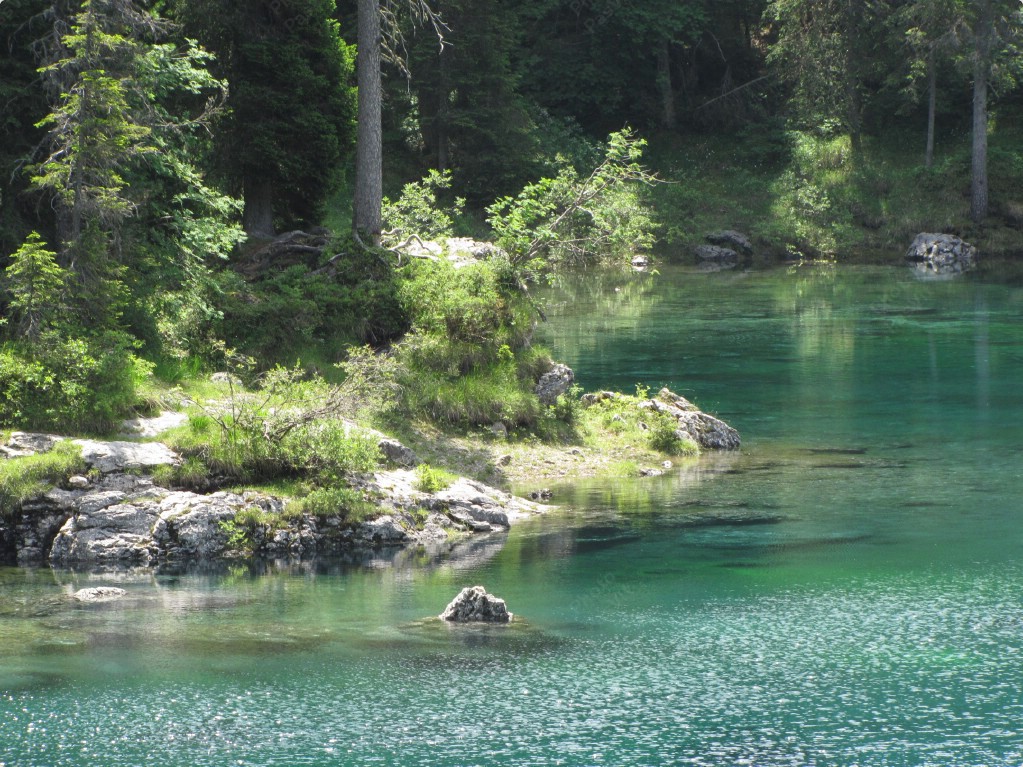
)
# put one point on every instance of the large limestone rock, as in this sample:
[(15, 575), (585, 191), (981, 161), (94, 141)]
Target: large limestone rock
[(110, 457), (475, 605), (21, 444), (941, 255), (99, 594), (705, 430), (108, 528), (192, 526), (150, 427), (554, 383), (729, 238)]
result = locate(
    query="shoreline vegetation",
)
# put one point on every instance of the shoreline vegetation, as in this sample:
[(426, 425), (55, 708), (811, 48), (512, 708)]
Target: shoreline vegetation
[(162, 281), (428, 338)]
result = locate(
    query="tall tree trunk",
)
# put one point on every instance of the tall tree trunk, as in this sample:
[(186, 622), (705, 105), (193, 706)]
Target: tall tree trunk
[(982, 33), (668, 116), (258, 215), (443, 113), (369, 186), (854, 13), (932, 99)]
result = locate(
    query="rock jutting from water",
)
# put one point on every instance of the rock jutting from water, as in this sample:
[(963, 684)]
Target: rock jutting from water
[(731, 239), (941, 255), (708, 432), (474, 605), (99, 594)]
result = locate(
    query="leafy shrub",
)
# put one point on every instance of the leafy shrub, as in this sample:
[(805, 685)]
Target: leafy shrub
[(22, 479), (418, 212), (664, 436), (476, 304), (288, 428), (297, 310), (576, 218), (70, 384), (431, 480), (348, 503)]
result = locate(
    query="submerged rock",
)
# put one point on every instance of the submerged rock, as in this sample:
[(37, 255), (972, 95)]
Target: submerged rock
[(941, 255), (99, 594), (475, 605)]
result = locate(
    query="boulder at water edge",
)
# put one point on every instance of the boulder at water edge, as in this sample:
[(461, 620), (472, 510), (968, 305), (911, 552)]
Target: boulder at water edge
[(941, 254), (475, 605)]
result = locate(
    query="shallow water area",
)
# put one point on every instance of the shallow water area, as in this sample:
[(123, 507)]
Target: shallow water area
[(845, 590)]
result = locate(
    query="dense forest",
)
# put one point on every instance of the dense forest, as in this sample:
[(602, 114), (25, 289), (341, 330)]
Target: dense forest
[(151, 153)]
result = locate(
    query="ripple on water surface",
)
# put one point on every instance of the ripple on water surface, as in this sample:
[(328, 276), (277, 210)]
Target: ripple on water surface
[(914, 671)]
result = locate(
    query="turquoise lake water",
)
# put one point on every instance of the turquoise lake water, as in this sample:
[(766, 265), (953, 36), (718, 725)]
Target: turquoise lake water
[(845, 590)]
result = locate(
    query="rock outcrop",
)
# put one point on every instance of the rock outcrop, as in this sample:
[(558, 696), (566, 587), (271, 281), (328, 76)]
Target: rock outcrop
[(554, 383), (731, 239), (716, 254), (397, 453), (110, 457), (120, 518), (705, 430), (474, 605), (941, 255)]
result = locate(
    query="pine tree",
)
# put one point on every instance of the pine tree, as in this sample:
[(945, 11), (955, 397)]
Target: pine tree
[(292, 105), (35, 283)]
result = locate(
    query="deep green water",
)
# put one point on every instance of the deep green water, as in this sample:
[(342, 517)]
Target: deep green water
[(846, 591)]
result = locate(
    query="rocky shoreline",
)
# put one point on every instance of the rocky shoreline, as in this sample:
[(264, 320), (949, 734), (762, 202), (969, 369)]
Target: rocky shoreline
[(117, 516)]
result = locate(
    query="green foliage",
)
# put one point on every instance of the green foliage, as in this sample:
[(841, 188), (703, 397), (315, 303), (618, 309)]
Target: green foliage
[(418, 211), (36, 284), (664, 436), (288, 428), (461, 363), (476, 304), (22, 479), (312, 314), (93, 131), (432, 480), (485, 396), (72, 384), (350, 504), (242, 531), (292, 105), (576, 219)]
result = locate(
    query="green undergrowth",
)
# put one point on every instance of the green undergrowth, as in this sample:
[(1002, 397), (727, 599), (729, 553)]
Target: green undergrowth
[(807, 193), (432, 480), (610, 423), (289, 429), (22, 479)]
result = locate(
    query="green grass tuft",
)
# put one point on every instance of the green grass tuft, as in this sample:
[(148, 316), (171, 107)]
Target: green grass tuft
[(22, 479)]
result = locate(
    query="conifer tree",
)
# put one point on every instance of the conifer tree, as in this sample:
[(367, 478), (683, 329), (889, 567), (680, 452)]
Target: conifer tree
[(292, 105)]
